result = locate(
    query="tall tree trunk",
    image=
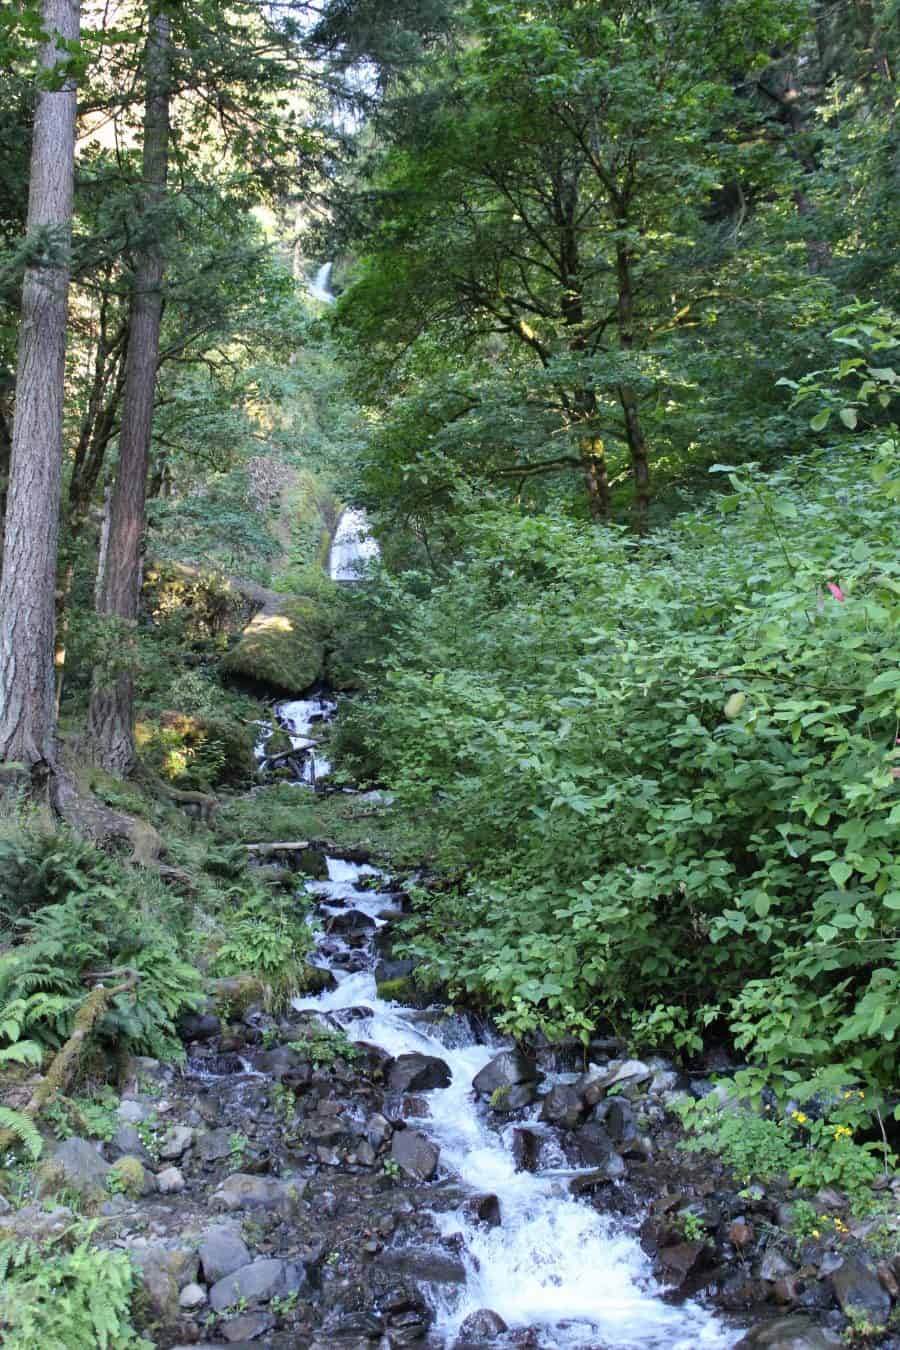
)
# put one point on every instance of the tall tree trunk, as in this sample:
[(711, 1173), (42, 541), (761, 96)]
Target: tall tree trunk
[(111, 712), (634, 435), (28, 584)]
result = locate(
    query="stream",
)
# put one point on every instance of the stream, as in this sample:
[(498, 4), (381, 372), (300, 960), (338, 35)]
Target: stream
[(553, 1264)]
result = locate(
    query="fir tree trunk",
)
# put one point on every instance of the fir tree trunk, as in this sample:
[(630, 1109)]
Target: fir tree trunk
[(634, 435), (28, 585), (111, 711)]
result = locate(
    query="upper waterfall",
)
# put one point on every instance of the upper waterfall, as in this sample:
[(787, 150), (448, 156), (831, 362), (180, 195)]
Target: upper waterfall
[(320, 286), (351, 547)]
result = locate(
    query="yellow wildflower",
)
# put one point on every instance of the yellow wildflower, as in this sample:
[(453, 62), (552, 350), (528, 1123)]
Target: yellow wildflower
[(800, 1118), (816, 1233)]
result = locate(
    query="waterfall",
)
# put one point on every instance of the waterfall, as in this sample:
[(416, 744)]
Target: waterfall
[(352, 547), (320, 286)]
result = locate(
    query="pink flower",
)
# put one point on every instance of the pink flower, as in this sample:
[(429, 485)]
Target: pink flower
[(836, 591)]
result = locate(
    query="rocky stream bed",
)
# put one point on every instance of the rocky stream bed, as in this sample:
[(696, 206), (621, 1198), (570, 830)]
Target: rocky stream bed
[(360, 1173)]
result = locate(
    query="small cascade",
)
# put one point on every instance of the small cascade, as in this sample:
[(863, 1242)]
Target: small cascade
[(301, 719), (575, 1278), (352, 547), (320, 285)]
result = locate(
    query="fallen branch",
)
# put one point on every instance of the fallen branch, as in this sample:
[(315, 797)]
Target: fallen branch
[(56, 1081)]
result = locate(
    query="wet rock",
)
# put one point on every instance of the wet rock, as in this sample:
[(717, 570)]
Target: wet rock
[(513, 1098), (563, 1106), (790, 1333), (484, 1325), (859, 1292), (393, 970), (351, 922), (526, 1148), (595, 1149), (415, 1154), (170, 1181), (176, 1141), (505, 1071), (774, 1266), (192, 1296), (418, 1073), (215, 1144), (199, 1027), (77, 1165), (283, 1063), (367, 1325), (600, 1178), (424, 1265), (222, 1251), (888, 1277), (257, 1282), (483, 1209), (378, 1131), (242, 1191), (617, 1116), (673, 1264), (247, 1326), (740, 1233)]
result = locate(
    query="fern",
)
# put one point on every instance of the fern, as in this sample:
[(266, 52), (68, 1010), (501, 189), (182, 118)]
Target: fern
[(22, 1052), (23, 1128)]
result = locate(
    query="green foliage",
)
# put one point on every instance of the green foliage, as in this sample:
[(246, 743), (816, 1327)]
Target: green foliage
[(22, 1128), (76, 911), (266, 937), (666, 766), (65, 1295), (322, 1046)]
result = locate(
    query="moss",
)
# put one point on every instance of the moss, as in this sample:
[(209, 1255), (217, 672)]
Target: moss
[(316, 980), (403, 990), (284, 648), (237, 993), (127, 1177)]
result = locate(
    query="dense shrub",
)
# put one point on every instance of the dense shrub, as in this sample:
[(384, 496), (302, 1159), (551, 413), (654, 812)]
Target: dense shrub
[(668, 767)]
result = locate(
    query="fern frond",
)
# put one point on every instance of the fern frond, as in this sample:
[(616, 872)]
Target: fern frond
[(23, 1128)]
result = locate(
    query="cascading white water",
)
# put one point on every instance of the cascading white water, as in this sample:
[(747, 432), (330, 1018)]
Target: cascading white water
[(320, 286), (352, 547), (300, 718), (554, 1263)]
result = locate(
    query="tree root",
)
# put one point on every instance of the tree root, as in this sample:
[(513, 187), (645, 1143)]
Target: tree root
[(58, 1077)]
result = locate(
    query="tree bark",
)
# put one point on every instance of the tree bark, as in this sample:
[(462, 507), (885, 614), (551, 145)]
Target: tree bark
[(634, 435), (111, 712), (28, 584)]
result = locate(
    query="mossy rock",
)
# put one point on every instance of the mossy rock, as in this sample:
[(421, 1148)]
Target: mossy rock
[(404, 991), (317, 980), (283, 649), (129, 1177), (237, 993), (170, 742)]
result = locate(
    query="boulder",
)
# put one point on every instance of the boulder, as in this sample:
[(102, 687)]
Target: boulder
[(282, 646), (247, 1327), (176, 1141), (618, 1118), (673, 1264), (215, 1145), (859, 1292), (415, 1154), (484, 1325), (198, 1026), (162, 1272), (563, 1106), (222, 1251), (418, 1073), (77, 1165), (790, 1333), (505, 1071), (241, 1191), (483, 1209), (191, 1297), (170, 1181), (595, 1148), (257, 1282), (129, 1176)]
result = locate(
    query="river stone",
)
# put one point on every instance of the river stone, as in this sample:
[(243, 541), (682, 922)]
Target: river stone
[(674, 1264), (790, 1333), (484, 1325), (127, 1140), (199, 1026), (215, 1144), (378, 1130), (505, 1071), (774, 1266), (176, 1141), (222, 1251), (132, 1112), (170, 1180), (859, 1292), (241, 1191), (418, 1073), (192, 1296), (483, 1209), (424, 1265), (247, 1326), (596, 1149), (257, 1282), (415, 1154), (618, 1119), (563, 1106), (77, 1165)]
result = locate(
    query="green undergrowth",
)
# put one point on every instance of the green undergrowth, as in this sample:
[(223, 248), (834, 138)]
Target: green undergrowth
[(670, 769), (66, 1293), (345, 820)]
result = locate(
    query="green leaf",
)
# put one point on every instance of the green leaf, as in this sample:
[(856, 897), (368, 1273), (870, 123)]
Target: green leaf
[(840, 873), (849, 418), (820, 421)]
